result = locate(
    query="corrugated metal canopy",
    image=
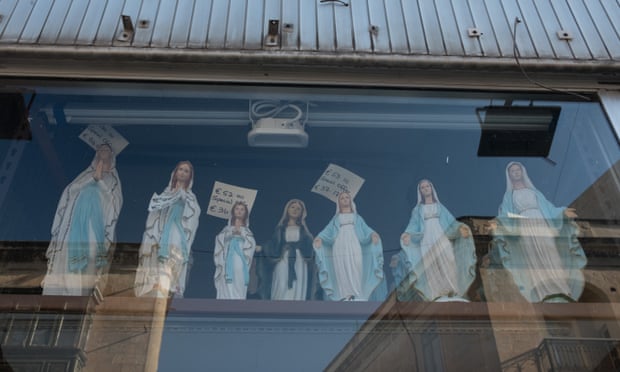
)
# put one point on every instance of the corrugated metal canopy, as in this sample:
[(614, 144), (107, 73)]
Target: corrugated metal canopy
[(549, 29), (565, 44)]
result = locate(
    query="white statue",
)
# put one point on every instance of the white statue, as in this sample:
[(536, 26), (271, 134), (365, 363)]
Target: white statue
[(349, 256), (438, 257), (84, 228), (537, 242), (234, 251), (167, 241), (286, 262)]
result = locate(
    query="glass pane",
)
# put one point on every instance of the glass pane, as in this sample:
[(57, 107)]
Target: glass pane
[(462, 210)]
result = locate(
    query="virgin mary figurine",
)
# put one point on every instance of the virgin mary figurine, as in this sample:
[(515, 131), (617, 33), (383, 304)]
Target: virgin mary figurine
[(286, 271), (84, 227), (233, 254), (167, 241), (349, 256), (537, 242), (438, 257)]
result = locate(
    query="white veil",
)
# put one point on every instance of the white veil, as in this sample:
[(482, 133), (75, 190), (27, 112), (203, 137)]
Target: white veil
[(420, 198), (526, 178)]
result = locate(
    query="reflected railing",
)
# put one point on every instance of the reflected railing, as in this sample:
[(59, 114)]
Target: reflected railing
[(568, 354), (44, 335)]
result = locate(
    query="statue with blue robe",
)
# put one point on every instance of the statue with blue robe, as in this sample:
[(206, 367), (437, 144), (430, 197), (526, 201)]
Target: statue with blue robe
[(537, 242), (233, 255), (285, 265), (437, 261), (83, 230), (171, 225), (349, 257)]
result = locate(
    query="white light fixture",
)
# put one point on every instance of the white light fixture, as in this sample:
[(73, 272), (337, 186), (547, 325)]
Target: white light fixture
[(271, 132), (277, 124)]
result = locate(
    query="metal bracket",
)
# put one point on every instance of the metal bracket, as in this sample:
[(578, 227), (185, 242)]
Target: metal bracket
[(273, 33), (128, 30)]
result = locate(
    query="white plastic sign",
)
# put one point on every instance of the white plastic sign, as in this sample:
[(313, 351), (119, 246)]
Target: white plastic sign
[(96, 135), (224, 196), (335, 180)]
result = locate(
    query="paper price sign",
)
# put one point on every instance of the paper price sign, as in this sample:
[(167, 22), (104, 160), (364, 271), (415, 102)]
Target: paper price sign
[(335, 180), (96, 135), (224, 196)]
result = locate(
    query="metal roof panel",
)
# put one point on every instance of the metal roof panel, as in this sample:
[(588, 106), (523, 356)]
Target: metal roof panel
[(439, 28)]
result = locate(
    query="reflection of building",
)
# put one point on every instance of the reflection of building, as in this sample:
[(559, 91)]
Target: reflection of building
[(422, 337), (558, 354), (39, 334), (483, 337), (599, 201), (50, 333), (503, 333), (506, 332)]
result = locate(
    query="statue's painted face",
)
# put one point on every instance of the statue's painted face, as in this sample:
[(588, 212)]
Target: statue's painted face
[(104, 152), (183, 173), (515, 172), (240, 212), (294, 211), (344, 200), (426, 189)]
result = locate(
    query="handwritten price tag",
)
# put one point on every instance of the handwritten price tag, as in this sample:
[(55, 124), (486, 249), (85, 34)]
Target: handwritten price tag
[(224, 196), (96, 135), (335, 180)]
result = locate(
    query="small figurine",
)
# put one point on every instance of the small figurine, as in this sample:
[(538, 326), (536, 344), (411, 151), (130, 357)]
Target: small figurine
[(167, 241), (349, 256), (438, 257), (84, 228), (234, 250), (537, 242), (286, 269)]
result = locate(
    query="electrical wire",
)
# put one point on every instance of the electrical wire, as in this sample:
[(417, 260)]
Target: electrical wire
[(515, 52), (270, 109), (334, 1)]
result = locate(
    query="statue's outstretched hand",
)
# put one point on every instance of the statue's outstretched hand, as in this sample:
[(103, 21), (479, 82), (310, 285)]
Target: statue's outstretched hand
[(491, 226), (464, 230), (405, 238), (375, 238), (570, 213)]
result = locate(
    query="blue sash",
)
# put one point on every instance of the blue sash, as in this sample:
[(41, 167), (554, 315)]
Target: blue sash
[(234, 248), (87, 214), (173, 222)]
